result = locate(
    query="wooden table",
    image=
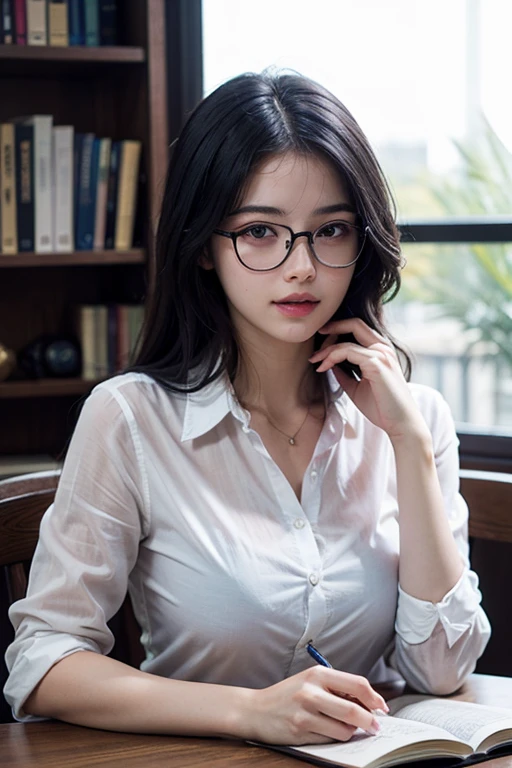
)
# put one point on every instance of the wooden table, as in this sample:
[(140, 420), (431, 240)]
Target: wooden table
[(60, 745)]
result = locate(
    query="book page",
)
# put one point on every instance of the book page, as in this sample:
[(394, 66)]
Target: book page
[(362, 749), (471, 723)]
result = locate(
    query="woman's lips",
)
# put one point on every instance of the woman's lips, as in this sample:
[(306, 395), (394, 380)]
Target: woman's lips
[(296, 308)]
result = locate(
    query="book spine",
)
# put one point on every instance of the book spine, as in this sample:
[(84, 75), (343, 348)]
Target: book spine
[(62, 155), (126, 195), (20, 22), (43, 182), (58, 22), (91, 211), (7, 23), (86, 336), (83, 231), (24, 165), (36, 22), (123, 338), (91, 23), (107, 22), (101, 195), (76, 22), (8, 190), (113, 180), (112, 338), (101, 340)]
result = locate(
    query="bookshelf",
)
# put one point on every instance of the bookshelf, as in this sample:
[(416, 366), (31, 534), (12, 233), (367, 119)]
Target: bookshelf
[(117, 91)]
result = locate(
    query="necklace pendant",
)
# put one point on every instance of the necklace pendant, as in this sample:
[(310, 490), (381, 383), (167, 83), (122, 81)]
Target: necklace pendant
[(291, 441)]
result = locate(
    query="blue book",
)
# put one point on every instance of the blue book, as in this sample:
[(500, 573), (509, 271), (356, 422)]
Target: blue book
[(113, 180), (7, 26), (76, 22), (92, 26), (95, 169), (108, 22), (85, 199)]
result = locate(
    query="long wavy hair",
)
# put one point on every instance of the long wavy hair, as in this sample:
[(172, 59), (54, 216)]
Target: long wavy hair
[(188, 326)]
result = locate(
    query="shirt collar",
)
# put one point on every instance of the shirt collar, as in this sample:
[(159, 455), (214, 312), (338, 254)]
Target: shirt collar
[(207, 407)]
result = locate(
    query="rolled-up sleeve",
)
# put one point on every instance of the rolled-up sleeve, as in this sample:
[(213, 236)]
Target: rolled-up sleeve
[(438, 644), (88, 544)]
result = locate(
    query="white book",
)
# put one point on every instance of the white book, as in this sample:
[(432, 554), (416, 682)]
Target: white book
[(36, 22), (87, 337), (100, 219), (127, 194), (419, 728), (42, 124), (62, 188)]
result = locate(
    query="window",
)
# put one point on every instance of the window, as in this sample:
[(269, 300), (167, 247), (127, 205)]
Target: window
[(426, 83)]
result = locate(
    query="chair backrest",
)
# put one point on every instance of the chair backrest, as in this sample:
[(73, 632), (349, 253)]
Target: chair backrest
[(489, 499), (23, 501)]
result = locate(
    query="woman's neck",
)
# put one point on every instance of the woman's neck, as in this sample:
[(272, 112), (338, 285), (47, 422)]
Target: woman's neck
[(278, 380)]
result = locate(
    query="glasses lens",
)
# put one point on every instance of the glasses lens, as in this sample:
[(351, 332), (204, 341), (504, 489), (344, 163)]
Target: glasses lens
[(337, 243), (263, 246)]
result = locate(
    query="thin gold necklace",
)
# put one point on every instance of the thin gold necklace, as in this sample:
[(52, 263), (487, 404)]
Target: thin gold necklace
[(290, 438)]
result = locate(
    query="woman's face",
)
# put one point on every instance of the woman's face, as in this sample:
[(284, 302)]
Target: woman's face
[(303, 193)]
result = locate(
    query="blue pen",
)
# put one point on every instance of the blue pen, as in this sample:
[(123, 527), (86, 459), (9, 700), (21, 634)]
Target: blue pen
[(317, 656)]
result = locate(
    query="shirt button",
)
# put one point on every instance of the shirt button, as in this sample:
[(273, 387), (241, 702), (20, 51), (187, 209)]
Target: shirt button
[(299, 523), (314, 474), (313, 579), (246, 429)]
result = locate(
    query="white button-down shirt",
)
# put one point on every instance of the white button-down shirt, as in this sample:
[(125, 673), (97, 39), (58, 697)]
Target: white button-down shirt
[(176, 497)]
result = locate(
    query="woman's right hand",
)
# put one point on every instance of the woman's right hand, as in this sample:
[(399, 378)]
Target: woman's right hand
[(313, 707)]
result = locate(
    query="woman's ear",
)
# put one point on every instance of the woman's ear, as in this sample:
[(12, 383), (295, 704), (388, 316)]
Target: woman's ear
[(206, 259)]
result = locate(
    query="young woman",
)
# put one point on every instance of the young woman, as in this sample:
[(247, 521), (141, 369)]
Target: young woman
[(264, 476)]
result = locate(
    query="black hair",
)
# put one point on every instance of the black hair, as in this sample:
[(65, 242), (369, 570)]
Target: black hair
[(244, 121)]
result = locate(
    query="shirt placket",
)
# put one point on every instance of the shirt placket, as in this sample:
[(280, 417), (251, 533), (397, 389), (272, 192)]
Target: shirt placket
[(302, 517)]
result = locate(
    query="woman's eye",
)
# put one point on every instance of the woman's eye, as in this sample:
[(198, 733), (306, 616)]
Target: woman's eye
[(335, 229), (257, 232)]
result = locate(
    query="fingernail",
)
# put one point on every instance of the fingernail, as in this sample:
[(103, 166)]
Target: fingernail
[(374, 728), (380, 712)]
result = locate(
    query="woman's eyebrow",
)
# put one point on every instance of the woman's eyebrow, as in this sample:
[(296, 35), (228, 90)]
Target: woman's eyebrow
[(271, 211)]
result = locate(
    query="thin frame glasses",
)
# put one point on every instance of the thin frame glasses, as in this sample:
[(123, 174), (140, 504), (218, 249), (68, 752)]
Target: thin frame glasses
[(289, 243)]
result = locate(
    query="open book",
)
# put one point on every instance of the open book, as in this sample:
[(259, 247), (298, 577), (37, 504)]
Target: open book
[(419, 728)]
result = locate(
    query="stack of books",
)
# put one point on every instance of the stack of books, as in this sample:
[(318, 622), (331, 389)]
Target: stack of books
[(58, 22), (62, 191), (108, 334)]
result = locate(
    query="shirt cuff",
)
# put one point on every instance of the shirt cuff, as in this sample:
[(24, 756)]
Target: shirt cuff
[(416, 619)]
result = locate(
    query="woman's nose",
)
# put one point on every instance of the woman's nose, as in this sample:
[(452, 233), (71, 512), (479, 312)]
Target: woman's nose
[(300, 262)]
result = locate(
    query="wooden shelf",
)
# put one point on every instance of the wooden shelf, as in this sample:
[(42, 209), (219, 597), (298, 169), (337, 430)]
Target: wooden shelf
[(41, 60), (75, 259), (111, 91), (13, 390)]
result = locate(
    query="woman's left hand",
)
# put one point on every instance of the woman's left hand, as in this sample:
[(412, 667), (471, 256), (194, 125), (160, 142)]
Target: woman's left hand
[(382, 394)]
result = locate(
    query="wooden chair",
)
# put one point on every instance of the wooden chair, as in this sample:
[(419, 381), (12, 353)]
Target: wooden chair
[(489, 498), (23, 501)]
